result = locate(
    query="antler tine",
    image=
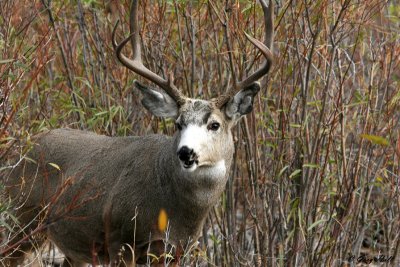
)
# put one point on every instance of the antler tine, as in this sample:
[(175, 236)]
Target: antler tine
[(136, 64), (264, 69), (265, 48)]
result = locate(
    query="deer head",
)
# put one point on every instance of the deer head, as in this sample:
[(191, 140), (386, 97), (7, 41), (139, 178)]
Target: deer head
[(203, 125)]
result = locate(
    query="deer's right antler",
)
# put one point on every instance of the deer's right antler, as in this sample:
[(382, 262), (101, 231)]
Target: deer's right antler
[(136, 64)]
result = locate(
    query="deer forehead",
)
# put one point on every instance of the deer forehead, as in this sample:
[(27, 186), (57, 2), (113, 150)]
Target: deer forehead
[(198, 112)]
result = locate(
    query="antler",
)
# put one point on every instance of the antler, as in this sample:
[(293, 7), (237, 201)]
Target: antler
[(136, 64), (265, 48)]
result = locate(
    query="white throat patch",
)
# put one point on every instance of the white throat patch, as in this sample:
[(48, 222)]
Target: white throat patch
[(218, 169), (215, 171)]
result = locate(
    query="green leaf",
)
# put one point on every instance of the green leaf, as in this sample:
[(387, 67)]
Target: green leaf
[(311, 165), (295, 173), (295, 125), (5, 61), (283, 170), (315, 224), (6, 225), (378, 140)]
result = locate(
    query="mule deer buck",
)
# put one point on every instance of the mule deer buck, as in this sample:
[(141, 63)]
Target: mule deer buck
[(94, 194)]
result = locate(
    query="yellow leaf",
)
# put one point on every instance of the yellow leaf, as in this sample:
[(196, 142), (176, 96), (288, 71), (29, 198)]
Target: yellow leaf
[(152, 256), (375, 139), (55, 166), (162, 220)]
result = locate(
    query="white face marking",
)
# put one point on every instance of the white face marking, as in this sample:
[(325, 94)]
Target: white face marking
[(200, 139), (194, 137)]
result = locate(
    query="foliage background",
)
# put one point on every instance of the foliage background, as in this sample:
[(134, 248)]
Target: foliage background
[(316, 172)]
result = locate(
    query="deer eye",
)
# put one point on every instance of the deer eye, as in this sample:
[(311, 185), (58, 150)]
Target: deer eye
[(214, 126), (178, 126)]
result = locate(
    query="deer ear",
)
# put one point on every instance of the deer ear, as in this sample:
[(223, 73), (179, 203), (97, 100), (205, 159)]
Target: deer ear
[(242, 102), (159, 104)]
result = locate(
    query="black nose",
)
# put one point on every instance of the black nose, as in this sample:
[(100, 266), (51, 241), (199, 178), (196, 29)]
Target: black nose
[(187, 155)]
